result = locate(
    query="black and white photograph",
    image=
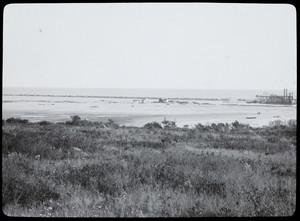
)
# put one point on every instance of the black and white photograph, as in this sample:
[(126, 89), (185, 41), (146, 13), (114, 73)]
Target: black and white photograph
[(149, 109)]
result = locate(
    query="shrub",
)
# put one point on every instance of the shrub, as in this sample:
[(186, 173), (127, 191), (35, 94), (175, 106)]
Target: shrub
[(201, 127), (236, 124), (68, 123), (75, 119), (44, 122), (153, 125), (168, 124), (17, 190), (215, 127), (86, 123), (111, 124), (16, 120)]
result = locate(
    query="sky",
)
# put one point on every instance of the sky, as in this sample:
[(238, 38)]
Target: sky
[(150, 45)]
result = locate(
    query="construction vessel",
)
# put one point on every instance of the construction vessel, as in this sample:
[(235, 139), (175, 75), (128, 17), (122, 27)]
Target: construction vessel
[(287, 98)]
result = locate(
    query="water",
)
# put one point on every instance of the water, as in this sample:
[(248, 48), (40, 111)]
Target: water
[(166, 93), (123, 106)]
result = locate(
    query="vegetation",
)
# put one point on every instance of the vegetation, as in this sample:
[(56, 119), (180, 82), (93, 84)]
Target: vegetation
[(153, 125), (99, 169), (16, 120), (168, 124)]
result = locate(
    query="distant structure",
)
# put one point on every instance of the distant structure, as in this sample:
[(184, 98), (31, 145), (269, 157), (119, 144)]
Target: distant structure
[(163, 100), (144, 100), (287, 98)]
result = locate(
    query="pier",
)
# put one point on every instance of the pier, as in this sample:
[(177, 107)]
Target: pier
[(287, 98)]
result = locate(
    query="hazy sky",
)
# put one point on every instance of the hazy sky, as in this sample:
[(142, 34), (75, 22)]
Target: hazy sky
[(195, 45)]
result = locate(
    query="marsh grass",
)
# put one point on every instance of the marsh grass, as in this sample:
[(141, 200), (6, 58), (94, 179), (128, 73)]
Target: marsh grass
[(86, 170)]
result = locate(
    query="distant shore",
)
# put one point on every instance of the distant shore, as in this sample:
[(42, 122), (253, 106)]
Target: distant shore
[(120, 97)]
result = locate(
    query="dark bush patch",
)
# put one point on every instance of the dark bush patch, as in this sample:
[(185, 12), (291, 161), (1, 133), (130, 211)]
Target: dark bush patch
[(210, 187), (16, 190), (166, 175), (282, 171), (103, 177), (7, 142), (153, 125), (18, 141), (44, 123), (16, 120)]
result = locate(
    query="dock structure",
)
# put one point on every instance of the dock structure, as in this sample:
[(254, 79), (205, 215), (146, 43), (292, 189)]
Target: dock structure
[(287, 98)]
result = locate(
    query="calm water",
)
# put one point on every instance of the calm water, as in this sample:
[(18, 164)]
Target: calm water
[(129, 111), (167, 93)]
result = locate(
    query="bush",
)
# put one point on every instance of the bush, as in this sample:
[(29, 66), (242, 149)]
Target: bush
[(86, 123), (16, 120), (111, 124), (201, 127), (75, 120), (44, 123), (168, 124), (236, 124), (153, 125)]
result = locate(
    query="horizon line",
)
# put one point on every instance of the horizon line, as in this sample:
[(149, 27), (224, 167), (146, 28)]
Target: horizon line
[(49, 87)]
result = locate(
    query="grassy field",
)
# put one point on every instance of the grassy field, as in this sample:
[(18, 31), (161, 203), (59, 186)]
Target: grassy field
[(90, 169)]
